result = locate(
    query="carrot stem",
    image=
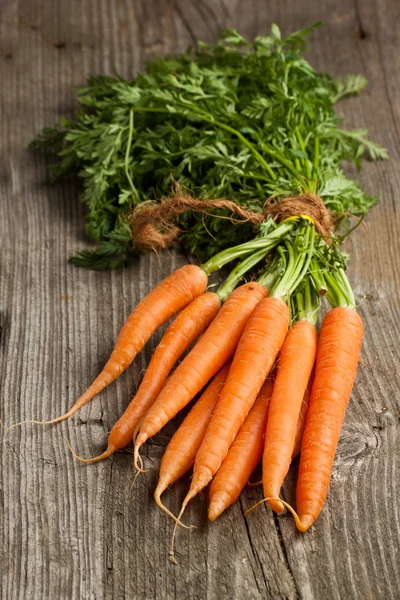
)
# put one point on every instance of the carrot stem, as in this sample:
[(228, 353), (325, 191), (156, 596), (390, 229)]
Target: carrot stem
[(263, 241), (239, 271), (339, 293), (318, 277), (128, 152), (298, 256), (307, 302)]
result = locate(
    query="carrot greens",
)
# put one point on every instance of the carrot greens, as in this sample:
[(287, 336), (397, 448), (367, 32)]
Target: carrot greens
[(238, 120)]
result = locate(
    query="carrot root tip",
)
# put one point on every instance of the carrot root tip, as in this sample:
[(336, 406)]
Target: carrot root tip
[(134, 480), (191, 494), (34, 422), (265, 501), (108, 452), (254, 483), (137, 459), (157, 498), (249, 510), (302, 523), (138, 463)]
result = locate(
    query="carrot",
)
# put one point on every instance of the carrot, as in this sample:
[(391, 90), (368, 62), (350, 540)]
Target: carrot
[(182, 448), (169, 297), (243, 456), (337, 358), (302, 418), (258, 347), (295, 364), (207, 357), (187, 326), (299, 427)]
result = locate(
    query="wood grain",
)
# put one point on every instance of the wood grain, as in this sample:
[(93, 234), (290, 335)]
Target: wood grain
[(70, 531)]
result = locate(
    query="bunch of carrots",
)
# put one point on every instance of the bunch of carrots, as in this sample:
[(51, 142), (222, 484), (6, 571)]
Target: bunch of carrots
[(270, 386), (239, 122)]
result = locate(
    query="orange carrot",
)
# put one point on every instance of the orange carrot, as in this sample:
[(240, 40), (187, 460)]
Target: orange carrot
[(337, 358), (258, 347), (210, 353), (302, 418), (299, 427), (295, 364), (243, 456), (169, 297), (182, 448), (187, 326)]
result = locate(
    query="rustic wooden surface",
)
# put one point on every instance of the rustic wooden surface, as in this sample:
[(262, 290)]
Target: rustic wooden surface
[(70, 531)]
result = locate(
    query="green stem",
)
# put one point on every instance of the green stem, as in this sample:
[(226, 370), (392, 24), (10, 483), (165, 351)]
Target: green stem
[(342, 278), (279, 156), (307, 302), (128, 152), (299, 305), (299, 256), (316, 155), (334, 295), (286, 76), (310, 250), (254, 176), (303, 149), (339, 292), (349, 231), (249, 145), (318, 277), (266, 242), (239, 271), (270, 276), (296, 160), (315, 165), (281, 289)]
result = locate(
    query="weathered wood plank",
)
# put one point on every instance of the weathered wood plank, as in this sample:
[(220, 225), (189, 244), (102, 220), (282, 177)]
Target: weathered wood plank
[(70, 531)]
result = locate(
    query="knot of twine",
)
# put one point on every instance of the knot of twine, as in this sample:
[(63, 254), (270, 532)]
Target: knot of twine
[(154, 224)]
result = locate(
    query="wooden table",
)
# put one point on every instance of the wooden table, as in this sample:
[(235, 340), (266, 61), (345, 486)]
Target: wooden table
[(70, 531)]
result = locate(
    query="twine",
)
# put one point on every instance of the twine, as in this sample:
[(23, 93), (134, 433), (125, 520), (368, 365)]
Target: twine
[(154, 225)]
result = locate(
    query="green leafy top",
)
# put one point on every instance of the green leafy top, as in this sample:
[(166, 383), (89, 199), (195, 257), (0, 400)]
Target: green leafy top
[(236, 120)]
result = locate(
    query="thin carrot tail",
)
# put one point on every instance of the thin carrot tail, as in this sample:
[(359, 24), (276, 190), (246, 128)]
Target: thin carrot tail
[(138, 441), (191, 494), (254, 483), (63, 417), (107, 452), (249, 510), (157, 497), (90, 393), (134, 481), (302, 524), (138, 462)]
